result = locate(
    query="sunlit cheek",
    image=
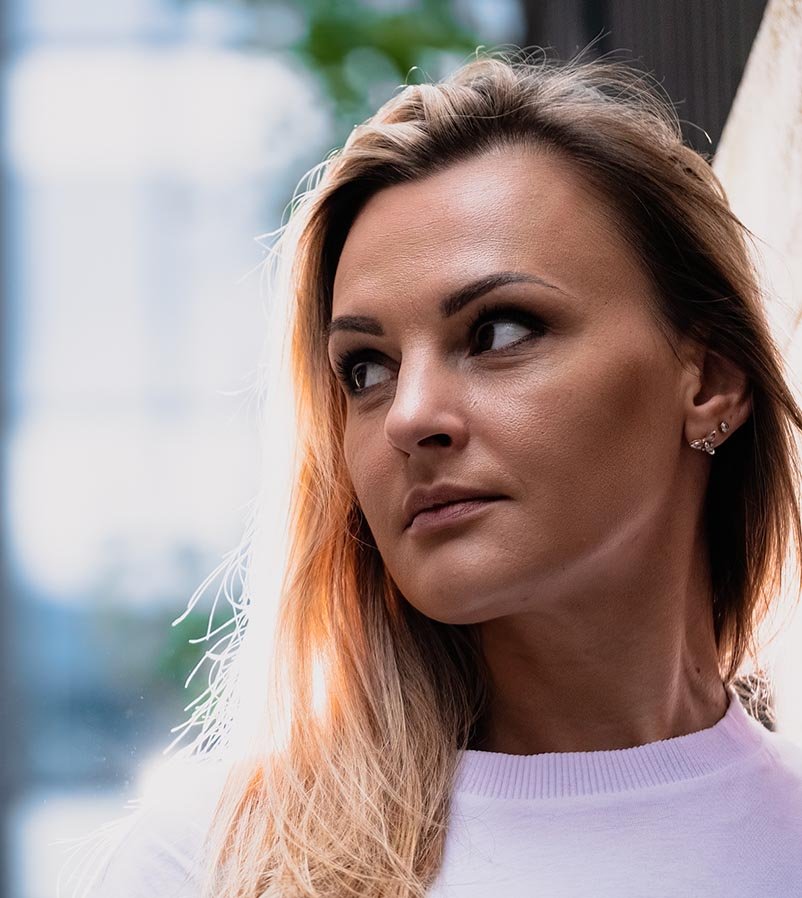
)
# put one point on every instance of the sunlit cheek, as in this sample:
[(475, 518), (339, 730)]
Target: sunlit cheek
[(357, 462), (349, 455)]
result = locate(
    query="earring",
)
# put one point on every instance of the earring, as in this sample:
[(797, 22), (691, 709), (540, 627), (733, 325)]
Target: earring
[(706, 442)]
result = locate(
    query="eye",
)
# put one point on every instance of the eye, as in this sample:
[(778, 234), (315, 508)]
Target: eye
[(503, 317), (489, 327), (351, 368)]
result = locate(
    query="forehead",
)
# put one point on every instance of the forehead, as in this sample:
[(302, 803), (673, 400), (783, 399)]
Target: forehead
[(513, 209)]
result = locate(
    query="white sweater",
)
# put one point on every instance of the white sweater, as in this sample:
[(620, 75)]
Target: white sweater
[(716, 813)]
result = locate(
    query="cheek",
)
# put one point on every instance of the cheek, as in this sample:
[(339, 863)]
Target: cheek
[(366, 468), (589, 443)]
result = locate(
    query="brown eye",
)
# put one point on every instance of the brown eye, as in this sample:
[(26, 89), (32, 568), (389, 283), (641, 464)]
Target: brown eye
[(359, 375), (505, 326), (353, 370), (508, 318)]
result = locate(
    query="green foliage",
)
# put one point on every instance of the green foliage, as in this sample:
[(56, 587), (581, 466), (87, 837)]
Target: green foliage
[(353, 46)]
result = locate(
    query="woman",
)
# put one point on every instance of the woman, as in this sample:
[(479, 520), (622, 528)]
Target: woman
[(547, 482)]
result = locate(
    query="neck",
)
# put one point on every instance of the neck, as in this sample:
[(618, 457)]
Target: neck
[(560, 692)]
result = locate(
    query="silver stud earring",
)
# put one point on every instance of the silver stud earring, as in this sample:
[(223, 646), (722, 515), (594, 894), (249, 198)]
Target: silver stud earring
[(706, 442)]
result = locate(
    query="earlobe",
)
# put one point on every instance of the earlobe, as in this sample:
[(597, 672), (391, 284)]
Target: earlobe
[(706, 442), (721, 402)]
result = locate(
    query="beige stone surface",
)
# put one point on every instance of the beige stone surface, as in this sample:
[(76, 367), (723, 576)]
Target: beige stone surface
[(759, 162)]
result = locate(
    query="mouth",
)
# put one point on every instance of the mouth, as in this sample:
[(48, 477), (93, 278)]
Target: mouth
[(450, 514)]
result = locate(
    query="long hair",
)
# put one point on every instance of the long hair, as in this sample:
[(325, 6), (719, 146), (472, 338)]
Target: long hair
[(346, 791)]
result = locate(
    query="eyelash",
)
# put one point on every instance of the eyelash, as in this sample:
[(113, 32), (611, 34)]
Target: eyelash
[(348, 360)]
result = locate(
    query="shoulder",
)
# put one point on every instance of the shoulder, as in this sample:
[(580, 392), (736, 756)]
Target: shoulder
[(787, 752), (777, 775), (156, 849)]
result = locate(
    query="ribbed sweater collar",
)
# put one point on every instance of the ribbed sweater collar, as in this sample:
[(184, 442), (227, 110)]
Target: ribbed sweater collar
[(734, 737)]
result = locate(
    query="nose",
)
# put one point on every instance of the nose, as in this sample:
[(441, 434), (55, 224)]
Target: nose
[(428, 408)]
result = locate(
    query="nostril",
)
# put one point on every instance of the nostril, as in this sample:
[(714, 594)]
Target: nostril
[(442, 439)]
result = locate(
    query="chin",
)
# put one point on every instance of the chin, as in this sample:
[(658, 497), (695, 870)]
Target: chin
[(451, 610), (447, 616)]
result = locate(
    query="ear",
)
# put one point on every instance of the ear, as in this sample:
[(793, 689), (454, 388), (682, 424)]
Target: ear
[(717, 390)]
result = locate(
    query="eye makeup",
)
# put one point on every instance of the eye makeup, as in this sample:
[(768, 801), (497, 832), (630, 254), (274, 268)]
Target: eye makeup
[(348, 361)]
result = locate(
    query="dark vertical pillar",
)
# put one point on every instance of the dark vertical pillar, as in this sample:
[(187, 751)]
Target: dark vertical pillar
[(596, 24), (697, 51), (560, 26)]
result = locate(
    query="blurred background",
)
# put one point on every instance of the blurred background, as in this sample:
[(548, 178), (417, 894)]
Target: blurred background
[(146, 145)]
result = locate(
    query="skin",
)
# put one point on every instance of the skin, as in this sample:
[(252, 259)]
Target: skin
[(589, 582)]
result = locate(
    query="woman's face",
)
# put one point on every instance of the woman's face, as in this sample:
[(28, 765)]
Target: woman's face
[(565, 398)]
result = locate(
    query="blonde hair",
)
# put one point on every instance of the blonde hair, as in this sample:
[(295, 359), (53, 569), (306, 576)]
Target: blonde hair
[(379, 698)]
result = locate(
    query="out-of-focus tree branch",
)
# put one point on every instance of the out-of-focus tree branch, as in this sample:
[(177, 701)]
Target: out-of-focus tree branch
[(352, 46)]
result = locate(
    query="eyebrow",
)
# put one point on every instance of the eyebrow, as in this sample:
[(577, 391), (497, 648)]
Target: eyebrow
[(452, 303)]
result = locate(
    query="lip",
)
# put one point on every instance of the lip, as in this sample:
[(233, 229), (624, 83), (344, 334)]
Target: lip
[(449, 515), (421, 499)]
